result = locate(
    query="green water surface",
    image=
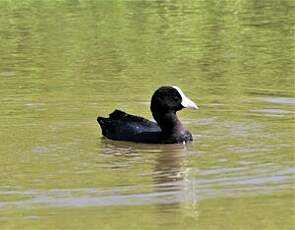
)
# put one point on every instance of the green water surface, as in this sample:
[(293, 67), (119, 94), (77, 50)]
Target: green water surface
[(62, 63)]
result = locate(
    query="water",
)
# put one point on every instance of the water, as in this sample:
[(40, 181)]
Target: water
[(62, 63)]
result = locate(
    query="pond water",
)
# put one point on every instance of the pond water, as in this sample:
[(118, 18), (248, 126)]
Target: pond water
[(63, 63)]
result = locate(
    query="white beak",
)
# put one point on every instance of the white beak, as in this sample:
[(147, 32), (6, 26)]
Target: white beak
[(186, 102)]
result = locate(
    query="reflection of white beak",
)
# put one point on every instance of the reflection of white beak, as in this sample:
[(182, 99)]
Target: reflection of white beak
[(186, 102)]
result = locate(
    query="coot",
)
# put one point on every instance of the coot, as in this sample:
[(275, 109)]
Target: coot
[(165, 102)]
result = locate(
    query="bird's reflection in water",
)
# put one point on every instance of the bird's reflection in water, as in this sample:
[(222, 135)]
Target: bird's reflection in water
[(164, 165), (167, 160), (169, 177), (169, 170), (124, 154)]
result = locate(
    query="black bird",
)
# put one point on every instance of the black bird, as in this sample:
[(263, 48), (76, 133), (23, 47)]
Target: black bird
[(165, 102)]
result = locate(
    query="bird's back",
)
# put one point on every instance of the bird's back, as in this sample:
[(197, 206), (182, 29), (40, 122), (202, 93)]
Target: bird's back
[(127, 127)]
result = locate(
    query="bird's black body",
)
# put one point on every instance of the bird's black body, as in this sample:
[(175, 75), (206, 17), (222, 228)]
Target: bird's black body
[(168, 129), (123, 126)]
